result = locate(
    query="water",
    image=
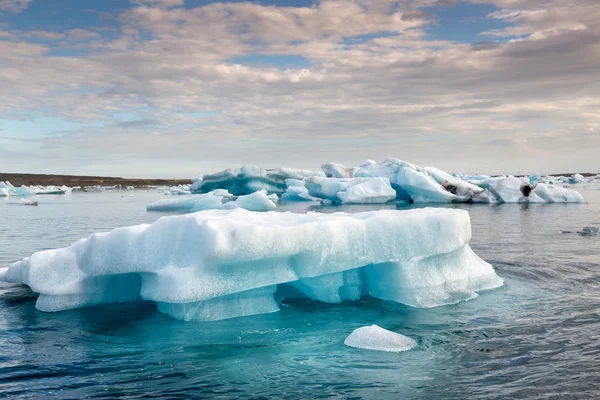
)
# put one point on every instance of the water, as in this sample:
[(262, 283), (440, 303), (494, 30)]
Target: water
[(538, 336)]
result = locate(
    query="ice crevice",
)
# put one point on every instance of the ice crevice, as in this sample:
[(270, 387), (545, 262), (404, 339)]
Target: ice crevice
[(220, 264)]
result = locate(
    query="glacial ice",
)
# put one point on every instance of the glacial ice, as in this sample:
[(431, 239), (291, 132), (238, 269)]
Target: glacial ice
[(7, 189), (376, 338), (409, 181), (335, 170), (249, 179), (216, 200), (221, 264), (351, 190), (432, 185), (577, 178), (296, 191)]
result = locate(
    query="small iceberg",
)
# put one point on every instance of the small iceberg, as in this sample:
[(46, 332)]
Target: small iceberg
[(219, 199), (248, 179), (296, 191), (351, 190), (590, 231), (24, 202), (376, 338)]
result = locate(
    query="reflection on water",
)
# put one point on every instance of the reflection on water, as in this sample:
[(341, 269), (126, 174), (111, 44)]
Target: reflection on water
[(534, 337)]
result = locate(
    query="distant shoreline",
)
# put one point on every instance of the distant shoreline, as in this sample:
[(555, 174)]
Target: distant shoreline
[(77, 180)]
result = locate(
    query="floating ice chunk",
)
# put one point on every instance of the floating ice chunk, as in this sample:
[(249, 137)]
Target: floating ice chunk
[(422, 188), (458, 187), (590, 231), (335, 170), (296, 191), (387, 169), (577, 178), (376, 338), (4, 190), (535, 178), (514, 190), (249, 179), (181, 190), (47, 190), (375, 191), (224, 263), (22, 191), (257, 201), (208, 201), (215, 200), (557, 194), (24, 202), (351, 190), (196, 183)]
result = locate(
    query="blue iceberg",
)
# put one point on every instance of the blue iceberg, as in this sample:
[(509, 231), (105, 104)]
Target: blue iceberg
[(220, 264)]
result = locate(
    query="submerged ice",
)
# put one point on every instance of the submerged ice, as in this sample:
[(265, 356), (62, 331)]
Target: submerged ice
[(222, 264)]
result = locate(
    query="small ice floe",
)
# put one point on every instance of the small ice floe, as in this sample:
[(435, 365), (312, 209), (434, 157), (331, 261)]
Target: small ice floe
[(376, 338), (589, 231), (25, 202)]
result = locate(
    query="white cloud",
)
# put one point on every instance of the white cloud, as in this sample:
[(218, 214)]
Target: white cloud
[(430, 101), (14, 6)]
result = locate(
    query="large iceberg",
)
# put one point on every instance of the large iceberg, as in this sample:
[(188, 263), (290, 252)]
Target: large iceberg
[(410, 182), (222, 264), (249, 179), (351, 190), (219, 199)]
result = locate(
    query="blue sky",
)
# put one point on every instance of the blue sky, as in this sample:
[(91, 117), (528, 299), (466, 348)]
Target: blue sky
[(178, 81)]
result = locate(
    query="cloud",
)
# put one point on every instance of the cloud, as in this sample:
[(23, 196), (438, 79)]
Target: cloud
[(14, 6), (376, 85)]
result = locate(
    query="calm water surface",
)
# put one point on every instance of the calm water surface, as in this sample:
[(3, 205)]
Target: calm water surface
[(536, 337)]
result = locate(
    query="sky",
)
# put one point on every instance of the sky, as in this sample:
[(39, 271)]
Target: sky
[(178, 88)]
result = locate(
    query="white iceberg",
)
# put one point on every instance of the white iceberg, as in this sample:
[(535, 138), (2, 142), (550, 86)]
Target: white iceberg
[(432, 185), (376, 338), (181, 190), (296, 191), (222, 264), (249, 179), (351, 190), (576, 179), (216, 200), (4, 189), (335, 170)]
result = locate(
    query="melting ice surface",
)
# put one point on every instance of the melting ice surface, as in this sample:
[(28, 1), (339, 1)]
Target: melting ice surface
[(222, 264), (376, 338)]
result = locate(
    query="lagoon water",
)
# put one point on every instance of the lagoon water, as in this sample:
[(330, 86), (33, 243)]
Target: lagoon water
[(538, 336)]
